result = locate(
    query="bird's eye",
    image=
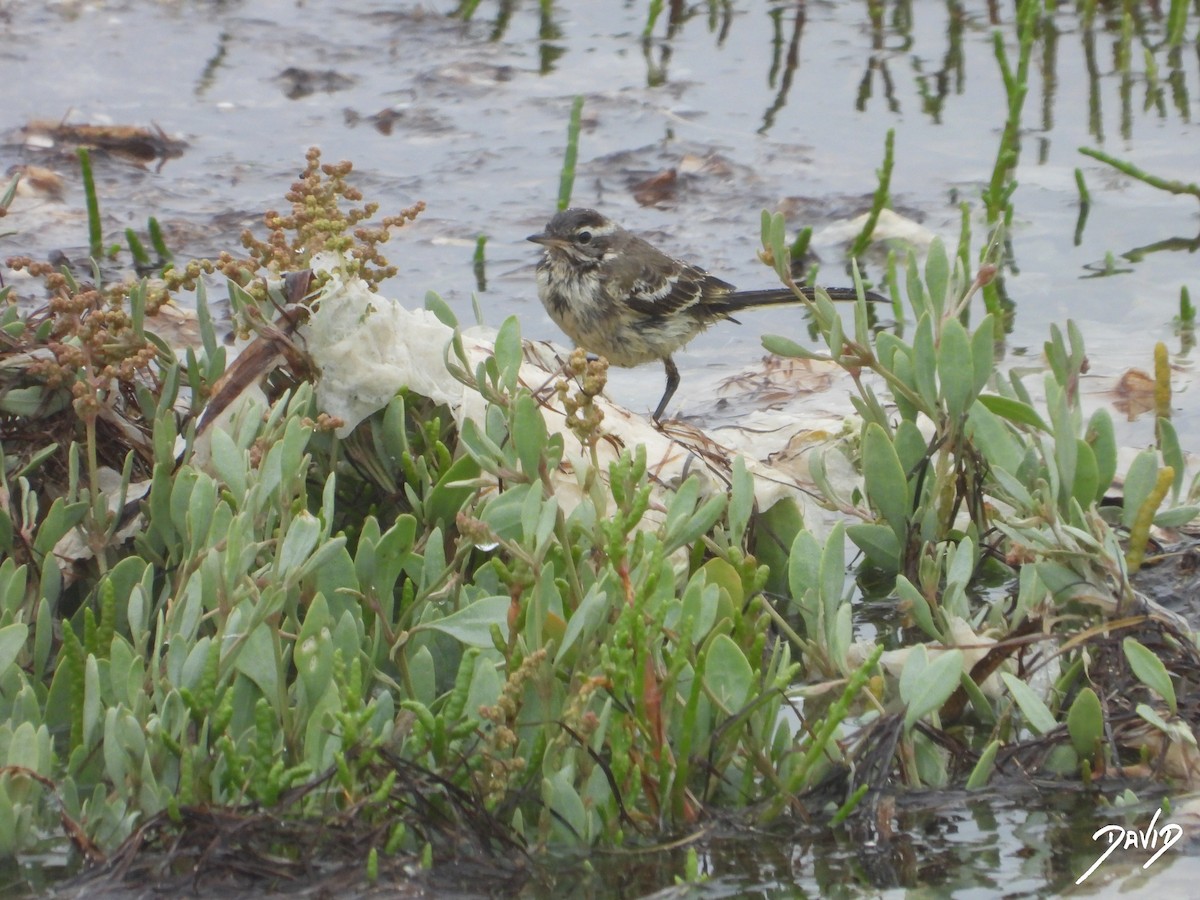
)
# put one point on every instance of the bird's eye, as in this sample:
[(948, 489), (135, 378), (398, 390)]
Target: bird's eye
[(584, 237)]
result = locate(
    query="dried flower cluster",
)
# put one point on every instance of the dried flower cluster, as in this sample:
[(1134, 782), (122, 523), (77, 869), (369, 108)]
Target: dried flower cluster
[(318, 223), (94, 345)]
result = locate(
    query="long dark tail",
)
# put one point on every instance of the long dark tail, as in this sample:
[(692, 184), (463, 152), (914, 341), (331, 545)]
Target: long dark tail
[(739, 300)]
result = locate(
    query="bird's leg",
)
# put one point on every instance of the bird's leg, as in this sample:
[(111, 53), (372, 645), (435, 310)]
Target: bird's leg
[(672, 384)]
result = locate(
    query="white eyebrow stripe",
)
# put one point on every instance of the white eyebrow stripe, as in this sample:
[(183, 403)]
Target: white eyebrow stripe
[(602, 230)]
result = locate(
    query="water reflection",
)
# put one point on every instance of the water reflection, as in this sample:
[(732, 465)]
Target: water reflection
[(1020, 842)]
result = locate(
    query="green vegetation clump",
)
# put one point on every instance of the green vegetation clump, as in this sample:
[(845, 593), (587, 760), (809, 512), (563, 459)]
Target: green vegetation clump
[(209, 601)]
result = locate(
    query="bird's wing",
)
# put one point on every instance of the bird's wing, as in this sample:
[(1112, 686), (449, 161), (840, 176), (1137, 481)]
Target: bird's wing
[(679, 287)]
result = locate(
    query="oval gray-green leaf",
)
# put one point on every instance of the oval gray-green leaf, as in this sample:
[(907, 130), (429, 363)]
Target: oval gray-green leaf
[(832, 575), (782, 346), (1150, 670), (925, 363), (472, 625), (1176, 517), (937, 274), (982, 772), (887, 487), (1015, 411), (955, 369), (12, 639), (584, 620), (529, 434), (1172, 453), (1085, 723), (1037, 715), (911, 445), (1103, 441), (741, 499), (507, 350), (983, 352), (1139, 482), (298, 543), (879, 543), (727, 673), (61, 518), (804, 564), (994, 439), (441, 309), (927, 685), (907, 592)]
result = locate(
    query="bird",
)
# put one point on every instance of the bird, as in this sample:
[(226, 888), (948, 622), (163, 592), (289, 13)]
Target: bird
[(618, 296)]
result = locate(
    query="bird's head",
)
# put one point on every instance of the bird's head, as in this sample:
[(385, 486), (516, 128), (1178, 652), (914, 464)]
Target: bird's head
[(580, 234)]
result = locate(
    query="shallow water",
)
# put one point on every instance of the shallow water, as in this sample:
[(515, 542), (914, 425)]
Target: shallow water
[(475, 125), (476, 121), (949, 844)]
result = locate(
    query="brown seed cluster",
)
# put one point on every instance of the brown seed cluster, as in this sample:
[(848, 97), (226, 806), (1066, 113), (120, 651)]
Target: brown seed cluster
[(318, 222), (91, 337)]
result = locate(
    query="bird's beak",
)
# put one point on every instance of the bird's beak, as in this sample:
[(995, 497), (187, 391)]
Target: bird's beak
[(548, 240)]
